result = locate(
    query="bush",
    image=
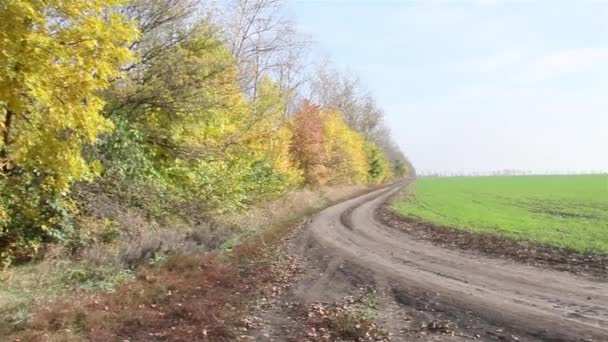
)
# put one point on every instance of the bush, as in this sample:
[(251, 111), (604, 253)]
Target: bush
[(31, 215)]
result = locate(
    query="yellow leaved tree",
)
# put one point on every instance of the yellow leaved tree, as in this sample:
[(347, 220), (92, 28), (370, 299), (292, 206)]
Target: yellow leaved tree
[(55, 57), (185, 128), (344, 149), (271, 130)]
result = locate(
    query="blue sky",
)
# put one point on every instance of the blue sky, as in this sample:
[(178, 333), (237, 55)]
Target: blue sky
[(478, 85)]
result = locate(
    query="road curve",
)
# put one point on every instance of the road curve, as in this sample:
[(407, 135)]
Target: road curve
[(538, 304)]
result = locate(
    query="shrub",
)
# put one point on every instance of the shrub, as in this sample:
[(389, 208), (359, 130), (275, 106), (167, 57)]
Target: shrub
[(32, 216)]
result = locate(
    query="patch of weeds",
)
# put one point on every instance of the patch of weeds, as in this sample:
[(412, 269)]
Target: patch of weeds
[(440, 327), (228, 245), (369, 304), (91, 278), (158, 259), (20, 314), (14, 318)]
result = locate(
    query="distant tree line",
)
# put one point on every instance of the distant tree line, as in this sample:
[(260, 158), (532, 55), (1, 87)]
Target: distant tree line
[(508, 172)]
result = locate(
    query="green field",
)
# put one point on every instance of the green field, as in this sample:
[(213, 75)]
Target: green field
[(564, 211)]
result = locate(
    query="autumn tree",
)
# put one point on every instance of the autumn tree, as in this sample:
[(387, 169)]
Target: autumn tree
[(273, 130), (379, 170), (186, 128), (55, 57), (400, 168), (308, 141), (344, 149), (329, 151), (165, 78), (345, 93)]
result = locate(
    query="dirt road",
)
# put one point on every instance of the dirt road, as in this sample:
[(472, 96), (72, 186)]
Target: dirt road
[(491, 299)]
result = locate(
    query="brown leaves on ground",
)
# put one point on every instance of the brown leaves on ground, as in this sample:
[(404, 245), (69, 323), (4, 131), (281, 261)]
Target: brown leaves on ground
[(352, 320)]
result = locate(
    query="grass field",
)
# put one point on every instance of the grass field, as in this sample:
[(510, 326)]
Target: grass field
[(564, 211)]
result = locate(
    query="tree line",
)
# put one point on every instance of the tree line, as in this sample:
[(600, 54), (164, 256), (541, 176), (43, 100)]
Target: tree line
[(196, 104)]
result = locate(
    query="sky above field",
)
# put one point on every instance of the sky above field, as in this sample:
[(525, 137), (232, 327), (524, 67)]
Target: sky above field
[(478, 85)]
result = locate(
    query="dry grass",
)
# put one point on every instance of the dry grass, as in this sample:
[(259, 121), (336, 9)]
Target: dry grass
[(188, 298)]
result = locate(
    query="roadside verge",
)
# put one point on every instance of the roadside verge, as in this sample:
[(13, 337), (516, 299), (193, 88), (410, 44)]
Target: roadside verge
[(187, 297)]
